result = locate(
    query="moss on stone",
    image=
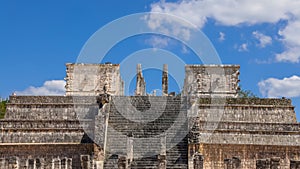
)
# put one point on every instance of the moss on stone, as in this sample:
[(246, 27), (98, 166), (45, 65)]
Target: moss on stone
[(2, 109)]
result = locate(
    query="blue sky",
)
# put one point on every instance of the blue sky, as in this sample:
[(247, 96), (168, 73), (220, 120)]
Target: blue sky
[(38, 38)]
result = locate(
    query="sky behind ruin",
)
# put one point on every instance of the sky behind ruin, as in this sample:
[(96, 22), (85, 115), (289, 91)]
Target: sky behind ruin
[(38, 38)]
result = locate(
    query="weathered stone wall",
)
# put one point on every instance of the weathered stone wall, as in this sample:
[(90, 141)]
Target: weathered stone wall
[(51, 107), (248, 127), (257, 138), (43, 124), (244, 121), (48, 156), (67, 108), (232, 156), (244, 110), (41, 136), (48, 119), (93, 79), (234, 133), (49, 132), (43, 131), (248, 113), (204, 80), (51, 99)]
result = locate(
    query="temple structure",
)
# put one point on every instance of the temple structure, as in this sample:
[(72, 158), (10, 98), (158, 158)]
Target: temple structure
[(94, 126)]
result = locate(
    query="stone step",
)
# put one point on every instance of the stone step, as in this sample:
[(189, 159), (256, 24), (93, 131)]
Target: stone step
[(160, 121)]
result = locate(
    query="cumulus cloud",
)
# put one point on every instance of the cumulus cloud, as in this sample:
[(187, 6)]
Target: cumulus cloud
[(264, 40), (52, 87), (226, 12), (286, 87), (232, 13)]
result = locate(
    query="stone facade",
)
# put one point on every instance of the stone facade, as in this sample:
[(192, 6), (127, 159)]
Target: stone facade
[(47, 156), (93, 79), (94, 126), (208, 80), (44, 132)]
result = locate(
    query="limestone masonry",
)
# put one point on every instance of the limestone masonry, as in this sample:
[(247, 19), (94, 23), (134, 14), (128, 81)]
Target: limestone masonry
[(94, 126)]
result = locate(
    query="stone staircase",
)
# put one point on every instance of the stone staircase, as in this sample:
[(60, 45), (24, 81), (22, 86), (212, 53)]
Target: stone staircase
[(143, 131)]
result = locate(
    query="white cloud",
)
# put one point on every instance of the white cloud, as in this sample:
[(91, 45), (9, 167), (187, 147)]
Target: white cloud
[(226, 12), (158, 42), (52, 87), (232, 13), (170, 25), (286, 87), (264, 40), (222, 36), (291, 39), (243, 47), (291, 54)]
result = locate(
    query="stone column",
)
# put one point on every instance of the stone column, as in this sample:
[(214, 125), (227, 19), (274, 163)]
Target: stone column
[(263, 164), (162, 157), (39, 163), (122, 163), (56, 163), (165, 80), (85, 161), (101, 129), (129, 150), (98, 157), (162, 162), (12, 162), (234, 163), (275, 163), (294, 164), (69, 163), (64, 164), (140, 82), (193, 152), (198, 161)]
